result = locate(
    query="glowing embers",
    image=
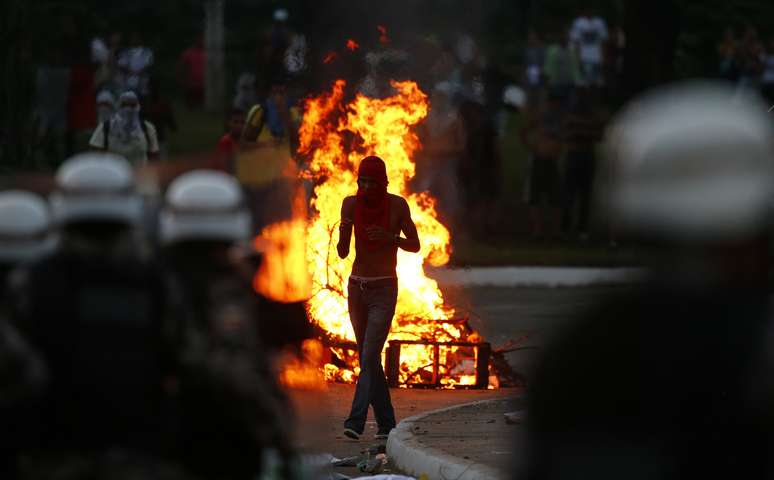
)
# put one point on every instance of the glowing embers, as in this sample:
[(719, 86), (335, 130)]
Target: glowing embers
[(446, 365)]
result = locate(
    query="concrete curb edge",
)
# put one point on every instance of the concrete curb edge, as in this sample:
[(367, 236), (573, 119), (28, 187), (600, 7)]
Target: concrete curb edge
[(535, 276), (414, 458)]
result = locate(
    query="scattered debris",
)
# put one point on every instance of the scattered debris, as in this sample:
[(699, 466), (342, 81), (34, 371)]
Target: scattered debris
[(514, 418), (348, 461)]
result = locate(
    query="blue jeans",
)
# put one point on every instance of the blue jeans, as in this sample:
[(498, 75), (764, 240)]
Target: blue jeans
[(371, 309)]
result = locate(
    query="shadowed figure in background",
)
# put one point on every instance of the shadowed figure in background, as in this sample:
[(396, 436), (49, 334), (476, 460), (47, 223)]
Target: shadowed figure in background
[(443, 140), (582, 130), (672, 378), (378, 219)]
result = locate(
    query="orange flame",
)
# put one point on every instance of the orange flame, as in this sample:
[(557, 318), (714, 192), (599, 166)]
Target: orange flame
[(352, 45), (380, 127), (302, 371), (283, 274)]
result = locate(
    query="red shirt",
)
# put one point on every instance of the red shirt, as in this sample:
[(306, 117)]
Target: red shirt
[(81, 107), (195, 60), (225, 154)]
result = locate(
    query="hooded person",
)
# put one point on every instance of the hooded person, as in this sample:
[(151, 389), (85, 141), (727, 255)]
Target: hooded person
[(106, 106), (378, 219), (127, 133), (675, 372)]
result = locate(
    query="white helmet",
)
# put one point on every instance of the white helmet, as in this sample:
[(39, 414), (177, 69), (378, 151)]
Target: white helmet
[(25, 226), (691, 161), (280, 15), (96, 186), (204, 205)]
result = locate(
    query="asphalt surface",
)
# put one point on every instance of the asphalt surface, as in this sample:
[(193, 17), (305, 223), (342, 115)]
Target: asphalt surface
[(499, 314)]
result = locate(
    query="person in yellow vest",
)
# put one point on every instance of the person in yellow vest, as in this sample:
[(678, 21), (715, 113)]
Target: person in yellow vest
[(264, 165)]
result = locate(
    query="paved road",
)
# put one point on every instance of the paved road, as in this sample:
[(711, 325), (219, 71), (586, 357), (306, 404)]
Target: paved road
[(503, 313), (497, 313)]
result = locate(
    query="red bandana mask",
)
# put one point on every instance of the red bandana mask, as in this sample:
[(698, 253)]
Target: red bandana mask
[(372, 206)]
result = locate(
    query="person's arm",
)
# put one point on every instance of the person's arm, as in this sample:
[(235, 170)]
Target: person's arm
[(410, 242), (97, 140), (345, 227), (153, 142)]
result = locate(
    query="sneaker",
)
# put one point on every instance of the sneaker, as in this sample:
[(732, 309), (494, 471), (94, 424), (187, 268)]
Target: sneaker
[(349, 433), (382, 434)]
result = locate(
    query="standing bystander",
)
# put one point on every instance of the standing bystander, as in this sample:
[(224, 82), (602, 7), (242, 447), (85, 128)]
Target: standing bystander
[(582, 128), (228, 146), (134, 66), (192, 63), (767, 79), (542, 137), (126, 133), (588, 34)]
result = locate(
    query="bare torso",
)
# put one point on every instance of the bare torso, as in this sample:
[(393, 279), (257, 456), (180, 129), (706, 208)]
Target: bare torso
[(381, 261)]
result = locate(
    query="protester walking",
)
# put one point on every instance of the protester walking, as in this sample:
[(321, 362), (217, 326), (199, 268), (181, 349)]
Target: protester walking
[(378, 219)]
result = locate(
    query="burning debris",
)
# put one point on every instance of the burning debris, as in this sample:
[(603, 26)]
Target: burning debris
[(428, 345)]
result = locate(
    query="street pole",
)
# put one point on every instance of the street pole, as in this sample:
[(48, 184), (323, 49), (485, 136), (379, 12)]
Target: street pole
[(213, 44)]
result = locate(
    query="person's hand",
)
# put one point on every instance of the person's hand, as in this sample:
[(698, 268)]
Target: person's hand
[(377, 233)]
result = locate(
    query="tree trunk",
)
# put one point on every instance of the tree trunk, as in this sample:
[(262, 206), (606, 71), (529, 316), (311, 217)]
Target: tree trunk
[(213, 43)]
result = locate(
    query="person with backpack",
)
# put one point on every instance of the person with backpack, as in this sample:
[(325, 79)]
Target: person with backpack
[(127, 133)]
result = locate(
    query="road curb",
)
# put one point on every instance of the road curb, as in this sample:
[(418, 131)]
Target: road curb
[(415, 458), (535, 276)]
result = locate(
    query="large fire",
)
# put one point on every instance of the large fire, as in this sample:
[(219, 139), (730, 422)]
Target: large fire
[(334, 137)]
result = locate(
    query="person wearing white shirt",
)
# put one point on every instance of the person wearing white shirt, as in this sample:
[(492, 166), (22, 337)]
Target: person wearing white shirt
[(134, 64), (587, 35), (127, 134)]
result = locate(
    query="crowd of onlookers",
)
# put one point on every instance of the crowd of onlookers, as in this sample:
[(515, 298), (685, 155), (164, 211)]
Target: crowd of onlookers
[(565, 88), (571, 74), (111, 98)]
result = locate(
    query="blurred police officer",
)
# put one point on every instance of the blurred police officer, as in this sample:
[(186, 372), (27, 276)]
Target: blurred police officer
[(25, 234), (94, 310), (670, 379), (232, 409)]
